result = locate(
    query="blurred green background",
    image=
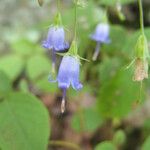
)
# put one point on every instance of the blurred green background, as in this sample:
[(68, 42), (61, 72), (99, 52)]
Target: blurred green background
[(105, 114)]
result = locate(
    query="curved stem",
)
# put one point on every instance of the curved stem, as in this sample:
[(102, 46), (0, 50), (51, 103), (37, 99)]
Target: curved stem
[(69, 145), (53, 60), (141, 16), (97, 49)]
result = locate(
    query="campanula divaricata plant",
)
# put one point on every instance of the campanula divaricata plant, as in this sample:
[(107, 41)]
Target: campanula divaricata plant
[(106, 113), (101, 35)]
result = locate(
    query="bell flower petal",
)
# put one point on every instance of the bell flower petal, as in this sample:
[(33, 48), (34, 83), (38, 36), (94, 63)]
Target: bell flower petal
[(101, 33), (68, 73), (56, 39)]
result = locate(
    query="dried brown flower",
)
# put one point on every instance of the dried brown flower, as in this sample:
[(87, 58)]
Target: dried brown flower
[(141, 70)]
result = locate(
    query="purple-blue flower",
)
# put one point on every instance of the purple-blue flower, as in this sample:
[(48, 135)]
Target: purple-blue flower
[(68, 74), (56, 42), (56, 39), (101, 35)]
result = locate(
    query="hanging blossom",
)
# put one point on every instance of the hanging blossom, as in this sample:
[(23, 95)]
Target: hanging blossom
[(55, 40), (68, 74), (101, 35)]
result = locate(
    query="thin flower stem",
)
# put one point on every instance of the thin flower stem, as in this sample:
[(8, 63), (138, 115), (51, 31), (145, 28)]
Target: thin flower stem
[(69, 145), (75, 23), (53, 60), (141, 16), (58, 5), (63, 102), (96, 51)]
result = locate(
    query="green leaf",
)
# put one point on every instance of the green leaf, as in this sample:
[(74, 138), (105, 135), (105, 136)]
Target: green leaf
[(37, 67), (89, 119), (11, 65), (5, 84), (118, 94), (24, 123), (146, 145), (44, 85), (22, 47), (108, 68), (147, 124), (106, 145), (117, 44), (119, 138)]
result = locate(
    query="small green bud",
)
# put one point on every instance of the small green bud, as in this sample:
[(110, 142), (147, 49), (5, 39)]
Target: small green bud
[(41, 2), (141, 56), (141, 48), (119, 138)]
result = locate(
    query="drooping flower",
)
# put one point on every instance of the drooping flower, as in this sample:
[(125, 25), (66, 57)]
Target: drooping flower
[(55, 40), (101, 35), (68, 73)]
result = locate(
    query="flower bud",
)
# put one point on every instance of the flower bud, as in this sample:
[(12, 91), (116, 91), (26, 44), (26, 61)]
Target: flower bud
[(141, 48)]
